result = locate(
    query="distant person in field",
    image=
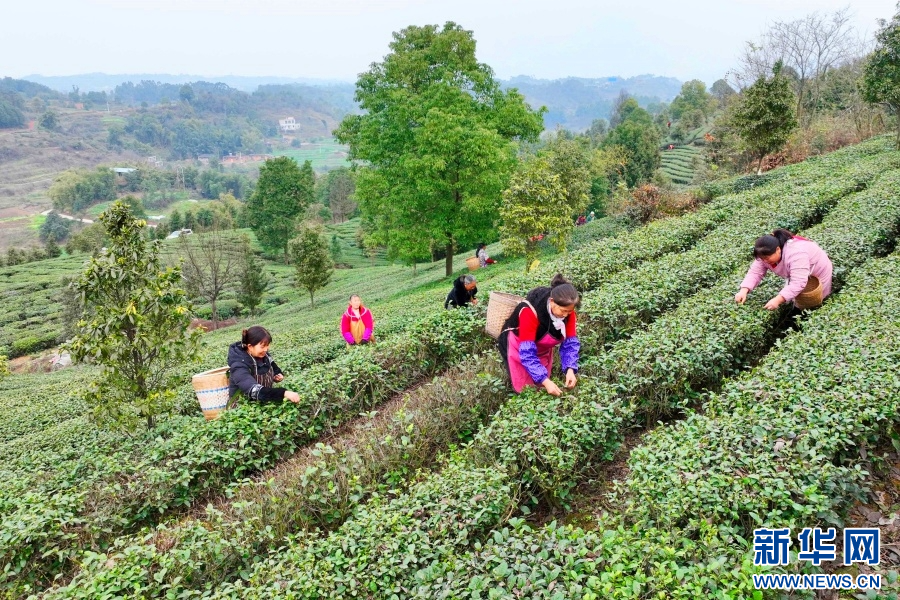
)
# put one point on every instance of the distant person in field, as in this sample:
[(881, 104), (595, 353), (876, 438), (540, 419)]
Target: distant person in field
[(790, 257), (463, 293), (252, 370), (581, 220), (357, 324), (482, 255), (545, 319), (590, 218)]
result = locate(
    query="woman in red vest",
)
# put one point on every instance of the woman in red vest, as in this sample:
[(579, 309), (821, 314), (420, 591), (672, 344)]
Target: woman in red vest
[(545, 319)]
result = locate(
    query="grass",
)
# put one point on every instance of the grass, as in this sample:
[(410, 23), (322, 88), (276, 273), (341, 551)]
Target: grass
[(322, 155), (351, 253)]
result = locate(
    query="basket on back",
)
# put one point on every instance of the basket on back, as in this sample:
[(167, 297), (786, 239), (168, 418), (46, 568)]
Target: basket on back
[(212, 391), (811, 296), (473, 263), (500, 307)]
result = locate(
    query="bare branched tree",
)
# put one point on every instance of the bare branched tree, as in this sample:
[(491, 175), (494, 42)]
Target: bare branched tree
[(809, 48), (211, 265)]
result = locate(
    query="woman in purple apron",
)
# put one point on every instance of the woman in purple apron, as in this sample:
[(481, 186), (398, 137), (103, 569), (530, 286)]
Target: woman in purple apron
[(545, 320)]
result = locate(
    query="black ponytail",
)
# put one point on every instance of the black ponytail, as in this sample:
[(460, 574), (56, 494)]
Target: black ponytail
[(564, 293), (255, 335), (768, 244)]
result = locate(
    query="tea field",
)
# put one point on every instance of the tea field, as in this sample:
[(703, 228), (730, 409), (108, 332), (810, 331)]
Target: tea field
[(679, 163), (408, 470)]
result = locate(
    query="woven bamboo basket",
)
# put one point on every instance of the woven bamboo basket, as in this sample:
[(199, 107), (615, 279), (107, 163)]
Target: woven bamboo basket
[(211, 388), (473, 263), (811, 296), (500, 306)]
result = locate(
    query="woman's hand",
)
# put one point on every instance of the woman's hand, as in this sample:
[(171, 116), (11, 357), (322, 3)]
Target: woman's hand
[(774, 302), (571, 380), (741, 296), (474, 301), (292, 396), (552, 388), (279, 378)]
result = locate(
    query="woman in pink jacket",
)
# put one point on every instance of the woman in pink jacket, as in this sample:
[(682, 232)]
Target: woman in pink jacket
[(356, 324), (791, 257)]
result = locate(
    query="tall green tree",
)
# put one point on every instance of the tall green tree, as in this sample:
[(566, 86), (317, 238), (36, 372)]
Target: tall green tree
[(337, 193), (134, 326), (881, 74), (693, 97), (766, 115), (49, 120), (311, 259), (639, 140), (252, 278), (10, 114), (335, 249), (570, 158), (54, 228), (283, 193), (721, 91), (535, 202), (437, 134)]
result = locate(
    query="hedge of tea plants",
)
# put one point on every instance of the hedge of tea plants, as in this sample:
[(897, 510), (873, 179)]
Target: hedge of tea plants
[(798, 208), (776, 447), (615, 249), (645, 291), (182, 463), (318, 490), (387, 543), (48, 521)]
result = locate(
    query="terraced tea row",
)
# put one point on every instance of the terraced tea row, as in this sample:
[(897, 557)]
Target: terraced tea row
[(388, 542), (767, 452)]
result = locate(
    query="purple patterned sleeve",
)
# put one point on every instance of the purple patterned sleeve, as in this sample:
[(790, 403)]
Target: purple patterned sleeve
[(568, 353), (529, 359)]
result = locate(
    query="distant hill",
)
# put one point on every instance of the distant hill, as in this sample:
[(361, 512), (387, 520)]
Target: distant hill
[(574, 102), (103, 82)]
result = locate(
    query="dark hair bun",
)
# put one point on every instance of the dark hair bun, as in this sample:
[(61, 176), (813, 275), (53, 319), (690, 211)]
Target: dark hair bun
[(558, 279)]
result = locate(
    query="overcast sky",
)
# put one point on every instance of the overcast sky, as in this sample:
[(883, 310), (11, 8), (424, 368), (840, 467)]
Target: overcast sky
[(337, 39)]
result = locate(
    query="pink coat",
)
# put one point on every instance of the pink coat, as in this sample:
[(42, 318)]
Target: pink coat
[(800, 258), (364, 315)]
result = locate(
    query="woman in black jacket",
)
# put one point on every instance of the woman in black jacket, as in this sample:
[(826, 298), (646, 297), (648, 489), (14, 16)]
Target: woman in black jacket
[(252, 370), (463, 292)]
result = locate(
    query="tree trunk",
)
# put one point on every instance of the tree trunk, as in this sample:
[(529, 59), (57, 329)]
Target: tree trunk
[(312, 302), (759, 165), (215, 315), (898, 129), (448, 261)]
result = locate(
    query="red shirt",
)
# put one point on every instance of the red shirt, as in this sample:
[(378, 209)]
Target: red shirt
[(528, 325)]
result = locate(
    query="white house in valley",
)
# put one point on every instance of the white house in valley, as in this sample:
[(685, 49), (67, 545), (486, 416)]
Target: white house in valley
[(288, 124)]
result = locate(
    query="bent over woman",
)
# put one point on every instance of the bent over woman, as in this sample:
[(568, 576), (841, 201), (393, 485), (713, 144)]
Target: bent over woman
[(545, 319), (790, 257)]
